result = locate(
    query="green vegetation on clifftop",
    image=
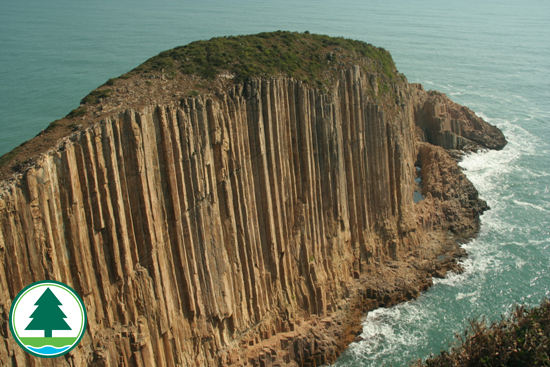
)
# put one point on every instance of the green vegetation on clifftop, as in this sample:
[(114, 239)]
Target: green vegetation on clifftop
[(199, 67), (301, 55)]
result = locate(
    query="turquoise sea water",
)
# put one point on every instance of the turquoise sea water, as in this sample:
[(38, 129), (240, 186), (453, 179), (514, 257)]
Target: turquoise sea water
[(492, 56)]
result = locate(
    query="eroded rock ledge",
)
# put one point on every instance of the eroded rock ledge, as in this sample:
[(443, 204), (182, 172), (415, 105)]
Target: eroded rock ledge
[(253, 227)]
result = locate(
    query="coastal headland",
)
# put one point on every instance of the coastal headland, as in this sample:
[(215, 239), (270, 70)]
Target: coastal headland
[(240, 201)]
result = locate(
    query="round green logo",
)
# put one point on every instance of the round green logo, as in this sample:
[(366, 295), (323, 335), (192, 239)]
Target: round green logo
[(48, 319)]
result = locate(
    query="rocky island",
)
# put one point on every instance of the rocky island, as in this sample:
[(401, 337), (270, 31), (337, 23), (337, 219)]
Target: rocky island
[(240, 201)]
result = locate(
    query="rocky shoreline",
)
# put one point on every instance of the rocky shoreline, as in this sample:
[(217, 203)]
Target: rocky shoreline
[(319, 341)]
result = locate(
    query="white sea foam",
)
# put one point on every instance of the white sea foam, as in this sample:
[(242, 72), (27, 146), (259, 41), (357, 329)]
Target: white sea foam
[(472, 296), (538, 242), (384, 329), (522, 203), (532, 173), (520, 263)]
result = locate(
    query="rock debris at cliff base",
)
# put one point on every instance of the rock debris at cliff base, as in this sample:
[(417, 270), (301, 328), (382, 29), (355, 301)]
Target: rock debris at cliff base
[(253, 226)]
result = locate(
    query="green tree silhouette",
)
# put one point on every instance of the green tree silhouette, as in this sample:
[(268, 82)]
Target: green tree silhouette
[(48, 316)]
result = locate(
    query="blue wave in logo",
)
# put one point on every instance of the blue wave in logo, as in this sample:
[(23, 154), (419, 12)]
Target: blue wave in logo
[(48, 350)]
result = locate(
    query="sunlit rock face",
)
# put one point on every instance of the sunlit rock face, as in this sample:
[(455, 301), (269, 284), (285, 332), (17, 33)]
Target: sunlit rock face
[(204, 230)]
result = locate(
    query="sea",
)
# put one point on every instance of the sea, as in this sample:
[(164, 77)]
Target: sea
[(492, 56)]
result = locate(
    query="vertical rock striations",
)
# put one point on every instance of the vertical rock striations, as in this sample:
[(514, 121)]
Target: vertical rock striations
[(451, 126), (197, 230)]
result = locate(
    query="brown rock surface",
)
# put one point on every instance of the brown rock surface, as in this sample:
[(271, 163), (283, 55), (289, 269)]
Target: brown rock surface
[(251, 227), (451, 126)]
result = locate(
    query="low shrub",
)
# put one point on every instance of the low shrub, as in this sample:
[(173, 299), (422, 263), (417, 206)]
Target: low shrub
[(94, 96), (522, 339), (52, 125), (8, 156), (77, 112)]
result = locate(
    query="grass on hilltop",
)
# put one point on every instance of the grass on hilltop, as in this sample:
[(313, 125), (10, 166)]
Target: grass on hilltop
[(312, 58), (300, 55)]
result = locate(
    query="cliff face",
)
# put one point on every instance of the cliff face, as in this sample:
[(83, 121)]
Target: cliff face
[(199, 229), (451, 126)]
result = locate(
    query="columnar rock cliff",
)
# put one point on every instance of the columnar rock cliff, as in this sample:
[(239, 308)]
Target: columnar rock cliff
[(232, 229)]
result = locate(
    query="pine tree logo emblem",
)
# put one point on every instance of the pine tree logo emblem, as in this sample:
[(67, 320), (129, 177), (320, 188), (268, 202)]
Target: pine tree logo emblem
[(47, 319)]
